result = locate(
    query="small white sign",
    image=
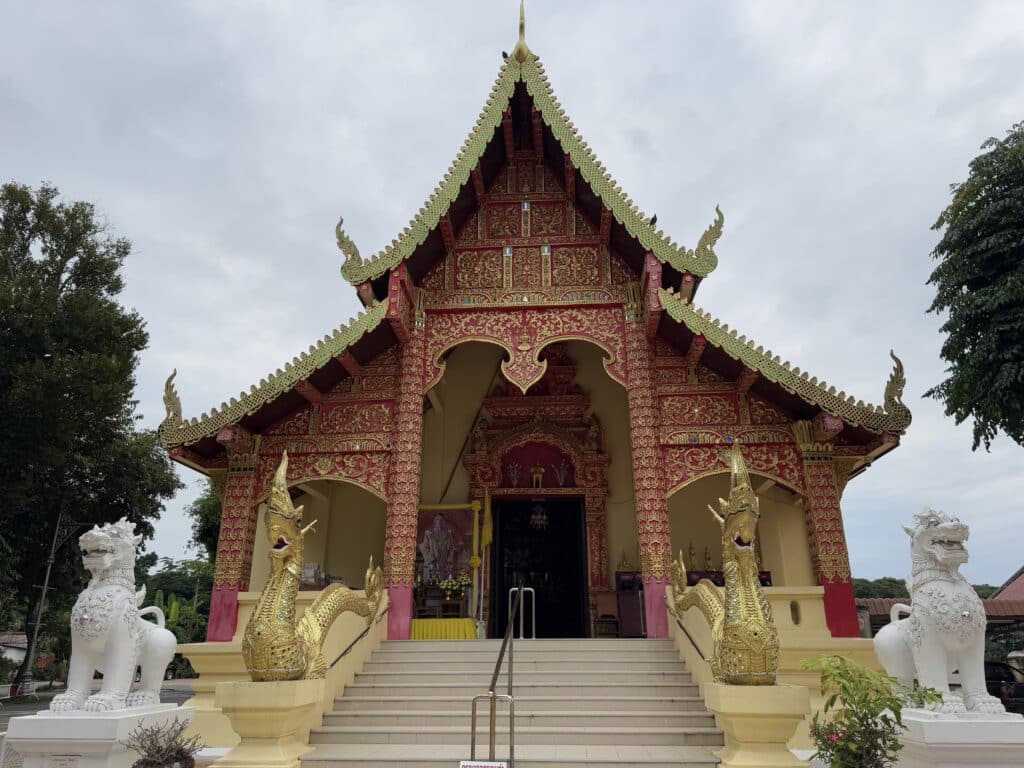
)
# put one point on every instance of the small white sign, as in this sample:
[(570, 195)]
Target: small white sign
[(481, 764), (64, 761)]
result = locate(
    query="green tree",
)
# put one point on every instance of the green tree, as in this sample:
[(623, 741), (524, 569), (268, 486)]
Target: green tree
[(980, 282), (205, 513), (69, 442), (181, 589), (887, 586)]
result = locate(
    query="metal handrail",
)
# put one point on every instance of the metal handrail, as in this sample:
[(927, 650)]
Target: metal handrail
[(493, 698), (361, 635), (522, 613), (690, 638)]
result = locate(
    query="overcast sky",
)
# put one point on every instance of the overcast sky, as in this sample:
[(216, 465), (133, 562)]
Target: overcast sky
[(225, 139)]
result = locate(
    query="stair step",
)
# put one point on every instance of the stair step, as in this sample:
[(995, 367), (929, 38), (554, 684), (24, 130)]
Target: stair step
[(441, 701), (459, 664), (523, 653), (521, 677), (615, 703), (459, 715), (531, 755), (470, 689), (446, 734)]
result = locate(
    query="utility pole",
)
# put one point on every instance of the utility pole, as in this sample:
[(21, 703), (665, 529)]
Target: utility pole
[(64, 530)]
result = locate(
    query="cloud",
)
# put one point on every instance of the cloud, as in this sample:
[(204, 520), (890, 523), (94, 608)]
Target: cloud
[(225, 139)]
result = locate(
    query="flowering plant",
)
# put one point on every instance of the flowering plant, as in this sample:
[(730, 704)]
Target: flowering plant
[(866, 723), (464, 579), (449, 585)]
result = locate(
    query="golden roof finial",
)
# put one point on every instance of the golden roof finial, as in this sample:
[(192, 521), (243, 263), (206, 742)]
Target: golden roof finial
[(522, 52)]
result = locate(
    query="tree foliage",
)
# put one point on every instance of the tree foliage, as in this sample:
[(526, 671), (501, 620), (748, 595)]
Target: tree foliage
[(980, 282), (181, 589), (69, 442), (205, 513)]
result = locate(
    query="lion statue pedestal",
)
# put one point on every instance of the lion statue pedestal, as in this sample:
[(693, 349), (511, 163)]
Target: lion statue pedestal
[(84, 728), (942, 641)]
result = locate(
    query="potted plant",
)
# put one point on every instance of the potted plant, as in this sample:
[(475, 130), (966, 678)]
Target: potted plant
[(862, 711), (164, 745)]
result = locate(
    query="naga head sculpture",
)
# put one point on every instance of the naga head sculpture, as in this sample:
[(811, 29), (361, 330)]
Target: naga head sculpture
[(938, 538), (738, 516), (108, 546), (283, 519)]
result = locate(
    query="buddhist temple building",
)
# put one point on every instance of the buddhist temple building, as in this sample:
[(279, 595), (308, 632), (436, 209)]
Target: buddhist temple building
[(533, 395)]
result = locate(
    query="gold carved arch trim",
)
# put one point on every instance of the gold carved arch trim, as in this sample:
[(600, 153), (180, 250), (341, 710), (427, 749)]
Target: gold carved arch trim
[(367, 470), (685, 465), (523, 334)]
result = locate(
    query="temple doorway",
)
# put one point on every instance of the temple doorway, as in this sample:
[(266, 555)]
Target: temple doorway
[(541, 542)]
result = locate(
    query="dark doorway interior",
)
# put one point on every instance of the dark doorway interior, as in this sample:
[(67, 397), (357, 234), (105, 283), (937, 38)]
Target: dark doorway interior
[(550, 558)]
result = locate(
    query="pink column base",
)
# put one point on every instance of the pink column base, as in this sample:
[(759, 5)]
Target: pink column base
[(400, 615), (654, 608), (223, 615), (841, 609)]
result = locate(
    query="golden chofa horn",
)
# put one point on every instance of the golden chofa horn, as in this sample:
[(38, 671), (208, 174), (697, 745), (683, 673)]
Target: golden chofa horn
[(280, 500), (741, 490), (281, 476)]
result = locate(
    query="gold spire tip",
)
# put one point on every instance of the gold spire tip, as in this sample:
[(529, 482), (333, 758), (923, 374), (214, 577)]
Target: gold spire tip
[(522, 52)]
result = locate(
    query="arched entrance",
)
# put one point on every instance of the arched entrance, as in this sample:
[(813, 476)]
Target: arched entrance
[(542, 461)]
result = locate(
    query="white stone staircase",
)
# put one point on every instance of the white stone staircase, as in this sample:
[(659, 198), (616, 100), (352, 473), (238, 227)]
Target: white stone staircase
[(602, 702)]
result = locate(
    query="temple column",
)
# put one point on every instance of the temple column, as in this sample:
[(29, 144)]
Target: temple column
[(652, 524), (404, 489), (825, 535), (237, 531)]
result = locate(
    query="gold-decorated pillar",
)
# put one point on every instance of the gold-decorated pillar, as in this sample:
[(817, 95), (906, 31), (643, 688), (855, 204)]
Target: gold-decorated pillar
[(825, 535), (404, 488), (237, 531), (652, 523)]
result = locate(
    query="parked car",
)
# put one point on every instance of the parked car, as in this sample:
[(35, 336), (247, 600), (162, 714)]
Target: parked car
[(1004, 682)]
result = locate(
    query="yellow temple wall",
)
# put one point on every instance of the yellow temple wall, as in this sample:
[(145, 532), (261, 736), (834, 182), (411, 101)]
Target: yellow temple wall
[(454, 403), (355, 531), (608, 401)]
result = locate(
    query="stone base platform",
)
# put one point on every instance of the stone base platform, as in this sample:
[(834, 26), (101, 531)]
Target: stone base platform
[(84, 739), (933, 740)]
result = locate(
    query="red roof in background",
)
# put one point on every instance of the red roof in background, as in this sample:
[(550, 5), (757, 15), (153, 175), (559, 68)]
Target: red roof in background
[(994, 609), (1013, 589)]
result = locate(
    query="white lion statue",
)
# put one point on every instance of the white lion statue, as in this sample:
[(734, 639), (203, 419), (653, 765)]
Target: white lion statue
[(945, 631), (108, 632)]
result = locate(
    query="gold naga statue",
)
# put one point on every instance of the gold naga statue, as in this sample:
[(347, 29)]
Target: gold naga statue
[(746, 641), (275, 646)]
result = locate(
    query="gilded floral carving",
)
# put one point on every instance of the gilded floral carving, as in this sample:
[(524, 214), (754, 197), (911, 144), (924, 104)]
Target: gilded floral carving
[(504, 220), (694, 410), (574, 265), (295, 424), (478, 269), (524, 334), (547, 219), (356, 418), (526, 268), (685, 464), (763, 412)]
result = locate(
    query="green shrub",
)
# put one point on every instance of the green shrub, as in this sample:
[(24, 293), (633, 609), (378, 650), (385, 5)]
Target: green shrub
[(865, 707)]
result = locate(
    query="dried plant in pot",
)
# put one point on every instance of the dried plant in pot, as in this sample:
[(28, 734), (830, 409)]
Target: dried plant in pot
[(163, 745)]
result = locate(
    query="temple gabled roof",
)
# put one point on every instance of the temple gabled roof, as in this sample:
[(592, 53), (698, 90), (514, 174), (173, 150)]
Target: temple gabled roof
[(894, 417), (681, 323), (175, 430), (523, 66)]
